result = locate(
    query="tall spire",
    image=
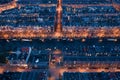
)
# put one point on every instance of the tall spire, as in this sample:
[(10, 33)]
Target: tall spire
[(58, 19)]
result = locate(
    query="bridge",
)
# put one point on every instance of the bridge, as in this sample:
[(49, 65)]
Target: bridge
[(7, 6)]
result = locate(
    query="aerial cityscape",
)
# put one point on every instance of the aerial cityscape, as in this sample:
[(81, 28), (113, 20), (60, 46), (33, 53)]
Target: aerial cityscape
[(59, 39)]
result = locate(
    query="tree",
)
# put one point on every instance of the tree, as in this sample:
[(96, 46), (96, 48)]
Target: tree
[(3, 58)]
